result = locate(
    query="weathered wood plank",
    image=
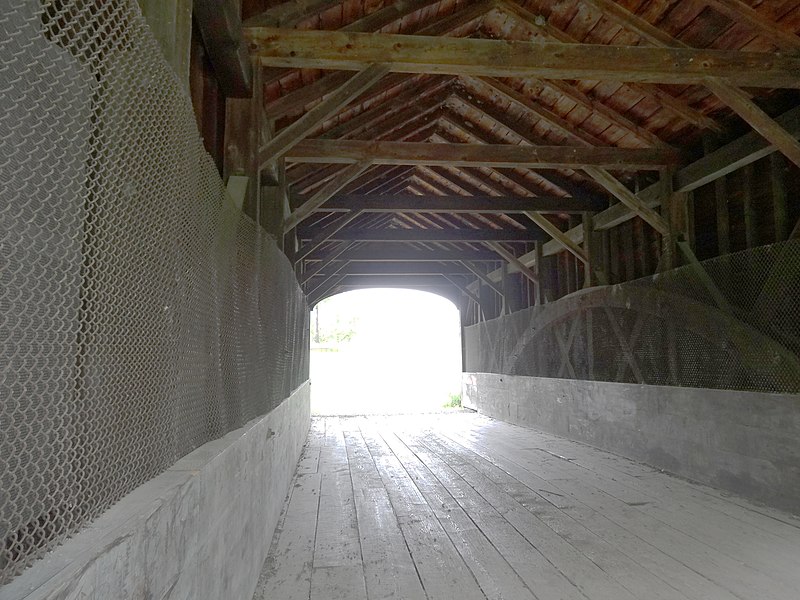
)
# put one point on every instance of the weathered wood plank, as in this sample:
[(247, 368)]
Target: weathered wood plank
[(434, 235), (319, 198), (495, 58), (490, 155), (287, 570), (291, 135), (460, 204)]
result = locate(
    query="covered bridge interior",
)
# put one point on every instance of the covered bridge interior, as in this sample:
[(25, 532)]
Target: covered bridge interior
[(608, 190)]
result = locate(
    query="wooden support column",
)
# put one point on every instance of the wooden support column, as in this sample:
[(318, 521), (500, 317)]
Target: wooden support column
[(675, 205), (589, 251), (779, 208), (257, 129), (750, 228), (170, 22), (723, 216), (538, 281), (488, 301)]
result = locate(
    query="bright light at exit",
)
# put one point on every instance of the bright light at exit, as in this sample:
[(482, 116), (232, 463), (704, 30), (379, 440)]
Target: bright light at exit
[(384, 351)]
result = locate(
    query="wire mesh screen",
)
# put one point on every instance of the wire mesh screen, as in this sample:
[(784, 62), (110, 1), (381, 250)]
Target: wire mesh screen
[(732, 322), (141, 314)]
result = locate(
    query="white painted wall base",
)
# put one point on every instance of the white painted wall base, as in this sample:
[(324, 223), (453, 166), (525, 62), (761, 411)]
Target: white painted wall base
[(201, 530)]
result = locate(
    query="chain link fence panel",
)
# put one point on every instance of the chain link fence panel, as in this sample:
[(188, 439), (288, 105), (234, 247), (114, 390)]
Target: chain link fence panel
[(732, 322), (141, 314)]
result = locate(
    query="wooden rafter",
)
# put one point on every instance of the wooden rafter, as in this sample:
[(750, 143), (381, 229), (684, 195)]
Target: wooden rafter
[(295, 101), (289, 136), (494, 58), (675, 105), (475, 270), (328, 258), (611, 184), (513, 260), (735, 98), (320, 197), (558, 235), (328, 233), (739, 12), (463, 289), (289, 14)]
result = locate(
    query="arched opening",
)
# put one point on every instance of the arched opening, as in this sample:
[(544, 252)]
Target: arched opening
[(385, 351)]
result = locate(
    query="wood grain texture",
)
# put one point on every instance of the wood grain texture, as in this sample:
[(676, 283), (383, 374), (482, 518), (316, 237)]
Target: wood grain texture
[(463, 506)]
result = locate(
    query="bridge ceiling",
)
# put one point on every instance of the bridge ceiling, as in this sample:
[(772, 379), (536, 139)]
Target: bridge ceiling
[(415, 129)]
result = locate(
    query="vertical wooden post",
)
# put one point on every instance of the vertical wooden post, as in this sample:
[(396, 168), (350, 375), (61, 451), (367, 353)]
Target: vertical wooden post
[(615, 270), (588, 248), (723, 216), (605, 255), (255, 135), (627, 251), (538, 285), (778, 179), (678, 211), (170, 21), (750, 228)]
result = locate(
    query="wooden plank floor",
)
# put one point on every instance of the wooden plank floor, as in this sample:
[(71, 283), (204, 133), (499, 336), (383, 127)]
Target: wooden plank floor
[(462, 507)]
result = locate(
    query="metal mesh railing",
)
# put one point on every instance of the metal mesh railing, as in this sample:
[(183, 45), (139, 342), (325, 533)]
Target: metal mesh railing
[(141, 314), (732, 322)]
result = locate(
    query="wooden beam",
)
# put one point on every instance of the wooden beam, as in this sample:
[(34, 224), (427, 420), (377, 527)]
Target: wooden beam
[(777, 172), (464, 290), (325, 262), (500, 58), (733, 156), (295, 132), (757, 119), (558, 235), (324, 193), (296, 100), (575, 135), (495, 155), (739, 12), (387, 252), (735, 98), (513, 260), (435, 235), (221, 29), (329, 233), (669, 102), (460, 204), (629, 199), (322, 288), (484, 278), (397, 268), (290, 13)]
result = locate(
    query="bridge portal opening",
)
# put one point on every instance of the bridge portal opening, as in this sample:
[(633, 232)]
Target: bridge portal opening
[(385, 351)]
